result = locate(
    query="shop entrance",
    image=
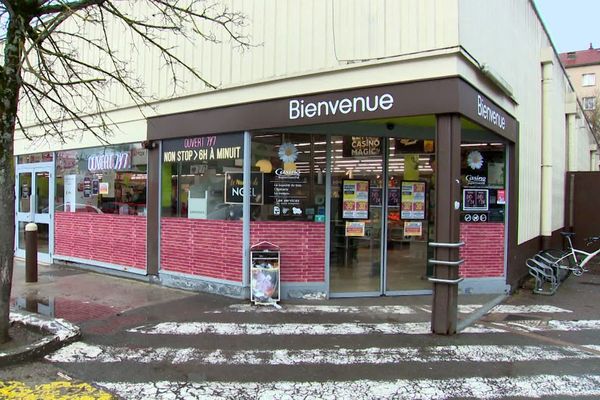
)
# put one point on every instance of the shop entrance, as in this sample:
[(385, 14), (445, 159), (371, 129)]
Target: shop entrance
[(34, 203), (382, 190)]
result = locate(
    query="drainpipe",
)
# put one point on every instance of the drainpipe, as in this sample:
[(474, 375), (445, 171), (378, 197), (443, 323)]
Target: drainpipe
[(571, 113), (546, 189)]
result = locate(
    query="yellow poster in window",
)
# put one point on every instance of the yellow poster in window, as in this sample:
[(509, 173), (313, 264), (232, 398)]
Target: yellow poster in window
[(413, 228), (355, 228)]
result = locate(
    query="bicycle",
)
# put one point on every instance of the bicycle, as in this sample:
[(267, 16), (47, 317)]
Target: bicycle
[(575, 260), (554, 266)]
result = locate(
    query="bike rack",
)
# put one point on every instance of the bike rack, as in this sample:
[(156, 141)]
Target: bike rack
[(546, 272), (549, 270)]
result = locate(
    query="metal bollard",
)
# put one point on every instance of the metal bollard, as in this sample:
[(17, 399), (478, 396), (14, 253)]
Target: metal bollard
[(31, 264)]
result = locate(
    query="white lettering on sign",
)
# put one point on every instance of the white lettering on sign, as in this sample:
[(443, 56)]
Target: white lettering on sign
[(365, 146), (489, 114), (300, 109), (476, 179), (109, 162), (288, 173)]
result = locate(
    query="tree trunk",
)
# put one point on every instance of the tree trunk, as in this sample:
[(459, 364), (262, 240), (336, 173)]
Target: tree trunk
[(7, 232), (10, 84)]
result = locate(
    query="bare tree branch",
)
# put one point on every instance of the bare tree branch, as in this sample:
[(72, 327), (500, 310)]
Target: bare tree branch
[(61, 66)]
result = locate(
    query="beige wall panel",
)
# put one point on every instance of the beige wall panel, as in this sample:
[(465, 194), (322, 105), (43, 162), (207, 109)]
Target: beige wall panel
[(378, 73), (129, 131), (369, 29), (375, 73), (291, 38)]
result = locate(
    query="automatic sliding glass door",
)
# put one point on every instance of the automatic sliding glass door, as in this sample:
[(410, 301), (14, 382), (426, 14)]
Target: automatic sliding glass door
[(356, 218), (410, 222)]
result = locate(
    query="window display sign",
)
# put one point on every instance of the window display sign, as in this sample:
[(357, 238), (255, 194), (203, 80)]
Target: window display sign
[(290, 188), (475, 199), (87, 187), (393, 197), (234, 188), (361, 146), (413, 228), (375, 197), (501, 197), (495, 174), (475, 171), (204, 148), (355, 229), (411, 167), (355, 200), (413, 200), (103, 188)]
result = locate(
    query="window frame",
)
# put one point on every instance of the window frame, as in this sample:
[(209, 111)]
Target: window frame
[(588, 79), (586, 101)]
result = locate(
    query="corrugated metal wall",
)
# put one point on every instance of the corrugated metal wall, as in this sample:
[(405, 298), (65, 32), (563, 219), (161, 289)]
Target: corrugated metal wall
[(290, 38)]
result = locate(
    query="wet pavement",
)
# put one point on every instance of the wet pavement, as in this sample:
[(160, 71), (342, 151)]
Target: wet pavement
[(94, 301), (144, 341), (98, 303)]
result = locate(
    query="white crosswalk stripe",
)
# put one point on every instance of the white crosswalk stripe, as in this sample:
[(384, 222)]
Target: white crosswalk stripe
[(265, 359), (387, 309), (416, 328), (82, 352), (536, 386)]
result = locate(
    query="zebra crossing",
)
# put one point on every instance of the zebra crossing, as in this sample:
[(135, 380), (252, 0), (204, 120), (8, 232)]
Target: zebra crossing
[(245, 353)]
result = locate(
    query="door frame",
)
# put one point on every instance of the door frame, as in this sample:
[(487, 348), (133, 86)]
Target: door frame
[(32, 216), (383, 272)]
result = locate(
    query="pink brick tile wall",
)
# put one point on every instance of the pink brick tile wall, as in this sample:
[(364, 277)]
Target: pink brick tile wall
[(202, 247), (483, 251), (214, 248), (302, 247), (113, 239)]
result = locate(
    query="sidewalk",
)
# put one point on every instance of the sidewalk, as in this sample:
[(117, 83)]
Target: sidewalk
[(86, 298), (99, 304)]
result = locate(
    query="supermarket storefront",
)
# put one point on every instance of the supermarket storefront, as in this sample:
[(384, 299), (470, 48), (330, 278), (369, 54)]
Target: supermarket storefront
[(347, 184), (352, 186)]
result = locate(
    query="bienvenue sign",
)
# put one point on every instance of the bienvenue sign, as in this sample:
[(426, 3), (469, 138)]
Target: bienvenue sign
[(301, 109)]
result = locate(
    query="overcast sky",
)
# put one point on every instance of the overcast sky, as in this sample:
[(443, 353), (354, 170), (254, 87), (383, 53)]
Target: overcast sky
[(572, 24)]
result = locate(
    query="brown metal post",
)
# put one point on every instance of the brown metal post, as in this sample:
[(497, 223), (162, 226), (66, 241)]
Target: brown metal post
[(447, 220), (31, 270), (153, 208)]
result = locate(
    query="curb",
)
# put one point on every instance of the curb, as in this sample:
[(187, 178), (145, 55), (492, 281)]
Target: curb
[(59, 333)]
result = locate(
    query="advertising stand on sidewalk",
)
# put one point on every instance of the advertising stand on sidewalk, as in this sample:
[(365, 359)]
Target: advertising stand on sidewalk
[(264, 273)]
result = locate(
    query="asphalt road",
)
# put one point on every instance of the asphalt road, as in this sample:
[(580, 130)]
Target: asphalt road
[(208, 347)]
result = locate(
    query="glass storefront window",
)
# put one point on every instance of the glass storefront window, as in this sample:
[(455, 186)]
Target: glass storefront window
[(35, 158), (483, 173), (202, 178), (291, 168), (102, 180)]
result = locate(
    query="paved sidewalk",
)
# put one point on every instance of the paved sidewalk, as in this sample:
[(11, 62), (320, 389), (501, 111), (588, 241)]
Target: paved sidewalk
[(98, 303), (90, 303)]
